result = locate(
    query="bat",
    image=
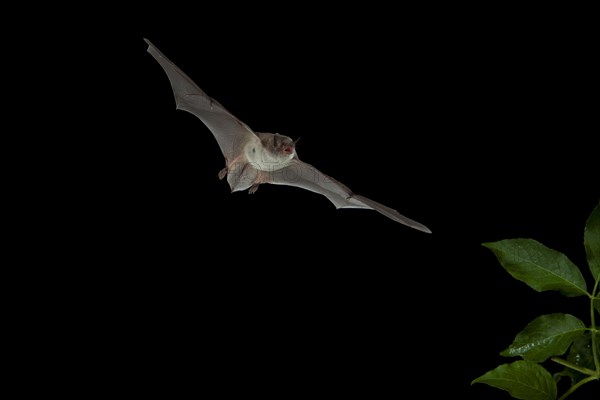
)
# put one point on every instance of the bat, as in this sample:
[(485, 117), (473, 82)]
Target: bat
[(254, 158)]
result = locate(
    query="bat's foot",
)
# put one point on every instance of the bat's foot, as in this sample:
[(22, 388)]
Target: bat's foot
[(222, 173), (253, 188)]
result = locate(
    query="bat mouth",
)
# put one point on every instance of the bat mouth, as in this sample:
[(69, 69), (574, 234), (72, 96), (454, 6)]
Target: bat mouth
[(288, 149)]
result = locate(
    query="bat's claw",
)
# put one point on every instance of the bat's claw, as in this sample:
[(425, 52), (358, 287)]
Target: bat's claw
[(222, 173), (253, 188)]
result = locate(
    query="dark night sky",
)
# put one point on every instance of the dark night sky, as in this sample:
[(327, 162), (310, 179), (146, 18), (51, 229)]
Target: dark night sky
[(477, 128)]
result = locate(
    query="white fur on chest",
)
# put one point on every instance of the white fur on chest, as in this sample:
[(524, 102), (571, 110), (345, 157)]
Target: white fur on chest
[(264, 160)]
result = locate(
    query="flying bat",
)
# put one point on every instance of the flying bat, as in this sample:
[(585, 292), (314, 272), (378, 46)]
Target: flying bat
[(253, 158)]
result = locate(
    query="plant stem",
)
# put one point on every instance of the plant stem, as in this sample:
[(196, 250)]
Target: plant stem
[(575, 386), (583, 370), (593, 375)]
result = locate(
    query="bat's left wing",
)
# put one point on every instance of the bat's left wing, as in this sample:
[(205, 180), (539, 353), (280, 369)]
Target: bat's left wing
[(305, 176), (231, 133)]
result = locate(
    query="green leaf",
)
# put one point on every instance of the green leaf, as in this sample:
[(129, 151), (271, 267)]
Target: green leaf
[(581, 355), (591, 241), (597, 304), (539, 266), (546, 336), (574, 376), (524, 380)]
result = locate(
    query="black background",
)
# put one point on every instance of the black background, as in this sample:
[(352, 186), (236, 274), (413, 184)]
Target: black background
[(476, 123)]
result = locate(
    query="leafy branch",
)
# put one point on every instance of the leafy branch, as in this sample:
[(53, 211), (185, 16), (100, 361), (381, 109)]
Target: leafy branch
[(549, 336)]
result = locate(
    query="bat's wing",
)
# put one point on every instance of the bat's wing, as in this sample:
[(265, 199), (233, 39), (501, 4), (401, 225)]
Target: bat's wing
[(231, 133), (305, 176)]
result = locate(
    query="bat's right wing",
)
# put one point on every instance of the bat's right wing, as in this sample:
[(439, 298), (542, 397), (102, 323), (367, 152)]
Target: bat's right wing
[(231, 133), (305, 176)]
